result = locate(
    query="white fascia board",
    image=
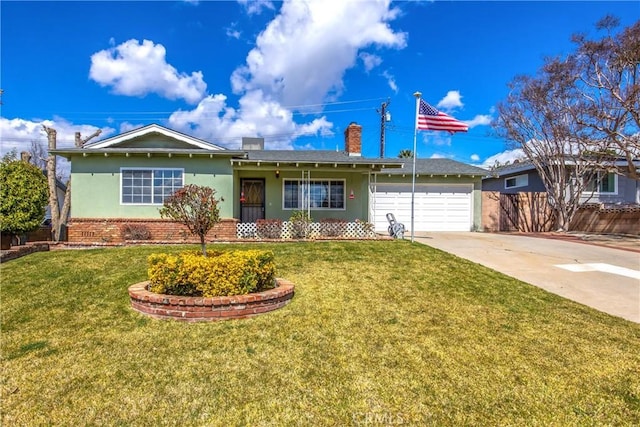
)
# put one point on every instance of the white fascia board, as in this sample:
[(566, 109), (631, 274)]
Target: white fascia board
[(127, 136)]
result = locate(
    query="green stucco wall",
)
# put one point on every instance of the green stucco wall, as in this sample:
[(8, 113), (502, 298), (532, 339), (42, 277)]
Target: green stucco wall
[(354, 180), (95, 183)]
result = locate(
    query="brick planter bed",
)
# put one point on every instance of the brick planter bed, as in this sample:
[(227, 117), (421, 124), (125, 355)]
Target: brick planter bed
[(197, 309)]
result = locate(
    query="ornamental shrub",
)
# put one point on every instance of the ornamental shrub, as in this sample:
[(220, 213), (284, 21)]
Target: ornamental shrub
[(269, 228), (333, 227), (219, 274), (23, 195)]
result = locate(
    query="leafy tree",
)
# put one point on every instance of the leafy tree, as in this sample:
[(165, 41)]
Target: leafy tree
[(558, 117), (405, 154), (23, 195), (196, 207)]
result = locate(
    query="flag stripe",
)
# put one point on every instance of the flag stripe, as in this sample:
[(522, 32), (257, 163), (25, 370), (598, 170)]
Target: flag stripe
[(431, 119)]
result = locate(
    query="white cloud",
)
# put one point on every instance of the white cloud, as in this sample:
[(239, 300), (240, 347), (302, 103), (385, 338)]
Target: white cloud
[(391, 80), (436, 156), (233, 32), (479, 120), (474, 158), (504, 157), (216, 122), (369, 61), (302, 55), (137, 69), (255, 7), (299, 59), (451, 101), (126, 126), (18, 135)]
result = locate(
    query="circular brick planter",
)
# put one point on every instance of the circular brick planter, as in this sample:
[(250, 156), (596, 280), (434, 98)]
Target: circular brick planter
[(196, 309)]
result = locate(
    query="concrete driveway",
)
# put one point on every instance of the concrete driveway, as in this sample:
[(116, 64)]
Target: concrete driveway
[(604, 278)]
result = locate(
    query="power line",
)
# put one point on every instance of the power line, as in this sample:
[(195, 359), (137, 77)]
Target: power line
[(290, 107)]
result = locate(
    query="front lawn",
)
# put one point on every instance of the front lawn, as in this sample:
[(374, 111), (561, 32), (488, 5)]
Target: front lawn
[(377, 333)]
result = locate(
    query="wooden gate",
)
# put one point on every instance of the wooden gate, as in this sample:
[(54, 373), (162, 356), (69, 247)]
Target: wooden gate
[(509, 212)]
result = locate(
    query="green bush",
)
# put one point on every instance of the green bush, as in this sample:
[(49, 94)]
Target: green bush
[(299, 224), (219, 274)]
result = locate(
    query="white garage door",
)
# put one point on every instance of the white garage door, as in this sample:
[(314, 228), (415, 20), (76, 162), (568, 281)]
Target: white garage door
[(436, 207)]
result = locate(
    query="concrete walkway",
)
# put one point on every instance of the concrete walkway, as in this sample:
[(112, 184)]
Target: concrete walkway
[(604, 278)]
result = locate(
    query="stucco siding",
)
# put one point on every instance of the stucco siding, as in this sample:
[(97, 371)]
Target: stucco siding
[(96, 180), (274, 187), (627, 192)]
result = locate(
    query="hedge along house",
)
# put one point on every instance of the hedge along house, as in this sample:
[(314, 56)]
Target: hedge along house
[(122, 181)]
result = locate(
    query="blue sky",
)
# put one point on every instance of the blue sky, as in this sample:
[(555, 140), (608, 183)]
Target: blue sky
[(296, 73)]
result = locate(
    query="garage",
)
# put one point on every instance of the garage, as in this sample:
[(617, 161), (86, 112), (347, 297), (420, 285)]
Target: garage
[(438, 207)]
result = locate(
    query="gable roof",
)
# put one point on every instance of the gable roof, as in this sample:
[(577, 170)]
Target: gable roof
[(436, 167), (114, 141), (516, 167)]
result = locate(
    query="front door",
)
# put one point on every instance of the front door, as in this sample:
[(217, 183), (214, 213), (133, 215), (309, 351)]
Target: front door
[(252, 208)]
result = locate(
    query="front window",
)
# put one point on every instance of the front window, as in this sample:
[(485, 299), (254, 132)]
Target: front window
[(321, 194), (149, 186), (516, 181), (603, 183)]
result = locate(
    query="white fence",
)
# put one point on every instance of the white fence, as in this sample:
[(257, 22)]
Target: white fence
[(303, 230)]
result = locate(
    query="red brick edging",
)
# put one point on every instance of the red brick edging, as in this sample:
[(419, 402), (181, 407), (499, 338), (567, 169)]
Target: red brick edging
[(195, 309)]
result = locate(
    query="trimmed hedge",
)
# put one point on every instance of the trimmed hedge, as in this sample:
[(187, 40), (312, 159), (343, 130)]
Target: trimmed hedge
[(219, 274)]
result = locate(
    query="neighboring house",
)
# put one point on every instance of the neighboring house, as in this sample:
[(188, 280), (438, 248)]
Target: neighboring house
[(522, 177), (514, 198), (61, 189), (125, 179)]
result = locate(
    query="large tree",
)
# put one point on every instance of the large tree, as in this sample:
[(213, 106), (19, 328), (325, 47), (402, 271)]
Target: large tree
[(608, 84), (23, 195), (557, 117)]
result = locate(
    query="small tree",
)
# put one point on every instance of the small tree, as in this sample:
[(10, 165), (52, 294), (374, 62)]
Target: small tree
[(23, 195), (196, 207)]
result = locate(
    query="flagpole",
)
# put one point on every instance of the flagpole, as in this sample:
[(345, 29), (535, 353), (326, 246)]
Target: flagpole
[(413, 173)]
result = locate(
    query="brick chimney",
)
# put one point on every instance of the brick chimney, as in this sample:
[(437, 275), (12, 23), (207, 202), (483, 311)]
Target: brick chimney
[(353, 139)]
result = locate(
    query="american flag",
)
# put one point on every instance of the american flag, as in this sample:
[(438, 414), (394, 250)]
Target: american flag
[(431, 119)]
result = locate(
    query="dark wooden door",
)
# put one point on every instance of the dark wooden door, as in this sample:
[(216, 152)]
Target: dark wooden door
[(252, 208)]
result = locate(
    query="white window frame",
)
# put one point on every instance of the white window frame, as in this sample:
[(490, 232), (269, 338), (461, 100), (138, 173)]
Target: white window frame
[(152, 170), (521, 181), (311, 182), (598, 180)]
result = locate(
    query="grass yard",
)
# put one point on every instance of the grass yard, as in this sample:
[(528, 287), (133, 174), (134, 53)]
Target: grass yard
[(378, 333)]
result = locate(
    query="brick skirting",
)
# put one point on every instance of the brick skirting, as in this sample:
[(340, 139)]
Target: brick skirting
[(196, 309), (110, 230)]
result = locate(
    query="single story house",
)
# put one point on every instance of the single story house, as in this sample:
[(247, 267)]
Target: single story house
[(124, 179), (514, 198), (522, 177)]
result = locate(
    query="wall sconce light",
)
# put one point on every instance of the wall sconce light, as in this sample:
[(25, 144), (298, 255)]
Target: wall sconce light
[(242, 199), (277, 173), (351, 195)]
